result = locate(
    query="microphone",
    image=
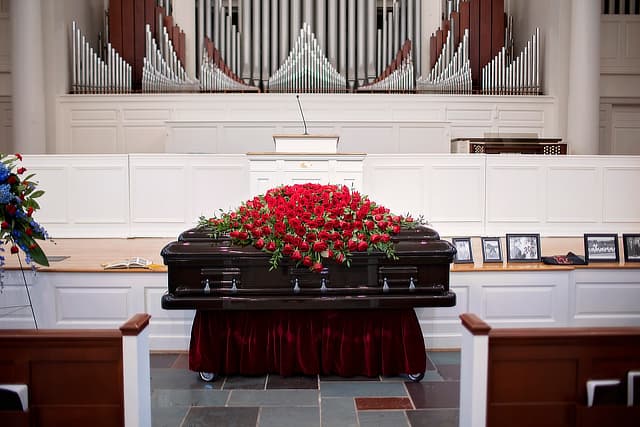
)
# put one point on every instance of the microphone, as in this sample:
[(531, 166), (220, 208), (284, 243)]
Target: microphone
[(302, 114)]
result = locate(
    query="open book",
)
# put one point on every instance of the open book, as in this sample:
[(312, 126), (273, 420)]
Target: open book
[(135, 262)]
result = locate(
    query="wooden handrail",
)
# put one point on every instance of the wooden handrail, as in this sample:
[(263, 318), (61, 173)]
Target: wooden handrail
[(475, 324), (135, 325)]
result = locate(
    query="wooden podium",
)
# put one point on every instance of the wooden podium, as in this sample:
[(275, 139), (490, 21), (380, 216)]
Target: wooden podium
[(317, 144)]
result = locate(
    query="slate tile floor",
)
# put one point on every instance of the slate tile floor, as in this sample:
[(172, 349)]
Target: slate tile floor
[(180, 399)]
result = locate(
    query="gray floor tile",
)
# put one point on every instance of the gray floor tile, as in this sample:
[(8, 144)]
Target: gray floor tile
[(432, 376), (168, 417), (278, 382), (449, 372), (338, 412), (168, 398), (245, 383), (355, 389), (202, 416), (180, 379), (444, 357), (273, 398), (383, 419), (289, 417), (433, 418)]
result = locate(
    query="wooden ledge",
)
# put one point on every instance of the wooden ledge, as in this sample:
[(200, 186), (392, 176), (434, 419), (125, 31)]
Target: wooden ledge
[(475, 324), (135, 325)]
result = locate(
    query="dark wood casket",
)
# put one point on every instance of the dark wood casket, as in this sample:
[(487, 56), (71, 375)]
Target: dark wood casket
[(346, 321)]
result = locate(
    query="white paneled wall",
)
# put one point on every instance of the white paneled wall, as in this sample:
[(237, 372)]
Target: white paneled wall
[(238, 124), (161, 195)]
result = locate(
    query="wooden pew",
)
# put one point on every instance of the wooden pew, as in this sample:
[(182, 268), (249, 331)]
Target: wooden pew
[(538, 377), (80, 377)]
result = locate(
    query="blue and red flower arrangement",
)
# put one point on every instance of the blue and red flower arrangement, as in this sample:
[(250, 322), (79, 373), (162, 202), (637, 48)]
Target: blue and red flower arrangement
[(18, 203)]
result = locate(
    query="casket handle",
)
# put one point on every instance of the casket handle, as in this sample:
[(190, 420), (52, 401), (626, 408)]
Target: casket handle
[(296, 285), (385, 285)]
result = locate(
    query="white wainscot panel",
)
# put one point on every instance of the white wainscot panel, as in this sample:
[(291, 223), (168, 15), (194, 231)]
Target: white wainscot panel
[(470, 114), (520, 116), (367, 138), (194, 138), (606, 298), (96, 193), (94, 139), (425, 138), (441, 326), (158, 193), (15, 311), (54, 203), (512, 193), (619, 183), (245, 137), (145, 139), (218, 186), (398, 187), (81, 115), (522, 299), (457, 197), (566, 205), (91, 306), (169, 329)]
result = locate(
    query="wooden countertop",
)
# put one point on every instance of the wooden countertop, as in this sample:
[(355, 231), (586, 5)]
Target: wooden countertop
[(89, 255)]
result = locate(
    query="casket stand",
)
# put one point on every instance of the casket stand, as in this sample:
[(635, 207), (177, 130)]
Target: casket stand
[(341, 321)]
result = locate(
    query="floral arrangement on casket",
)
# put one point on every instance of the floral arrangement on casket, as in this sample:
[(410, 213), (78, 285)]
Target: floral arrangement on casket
[(17, 205), (310, 224)]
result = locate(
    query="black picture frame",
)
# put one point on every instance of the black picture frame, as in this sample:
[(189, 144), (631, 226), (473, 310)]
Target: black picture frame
[(523, 247), (601, 247), (491, 249), (631, 245), (464, 253)]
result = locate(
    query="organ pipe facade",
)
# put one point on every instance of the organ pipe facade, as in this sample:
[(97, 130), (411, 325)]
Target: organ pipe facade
[(307, 46)]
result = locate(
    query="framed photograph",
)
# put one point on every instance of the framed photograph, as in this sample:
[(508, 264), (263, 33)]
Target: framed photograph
[(463, 250), (601, 247), (631, 244), (523, 247), (491, 250)]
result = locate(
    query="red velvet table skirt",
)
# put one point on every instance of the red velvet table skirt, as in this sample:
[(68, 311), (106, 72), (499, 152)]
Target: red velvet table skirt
[(309, 342)]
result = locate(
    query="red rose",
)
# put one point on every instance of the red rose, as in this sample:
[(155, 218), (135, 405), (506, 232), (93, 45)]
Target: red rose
[(352, 245), (271, 246), (21, 170), (12, 179), (19, 156), (256, 233), (243, 235), (307, 261), (259, 244), (296, 255), (5, 224), (319, 246), (287, 249), (370, 225), (311, 237), (375, 238), (396, 229), (338, 244), (29, 211), (383, 225), (362, 246), (385, 238), (234, 234), (317, 267), (377, 217), (29, 231), (340, 257), (14, 249), (304, 246), (266, 230)]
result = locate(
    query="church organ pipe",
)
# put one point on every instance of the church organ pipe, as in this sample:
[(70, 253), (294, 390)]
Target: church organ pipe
[(255, 38), (97, 71), (520, 75)]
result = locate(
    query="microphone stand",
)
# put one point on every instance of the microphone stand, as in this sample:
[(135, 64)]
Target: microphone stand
[(302, 114)]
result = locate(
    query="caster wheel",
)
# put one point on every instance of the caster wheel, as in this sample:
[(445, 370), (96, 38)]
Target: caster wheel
[(208, 376), (416, 377)]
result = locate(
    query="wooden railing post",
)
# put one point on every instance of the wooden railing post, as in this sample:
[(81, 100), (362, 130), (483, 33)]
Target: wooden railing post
[(136, 371), (474, 360)]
